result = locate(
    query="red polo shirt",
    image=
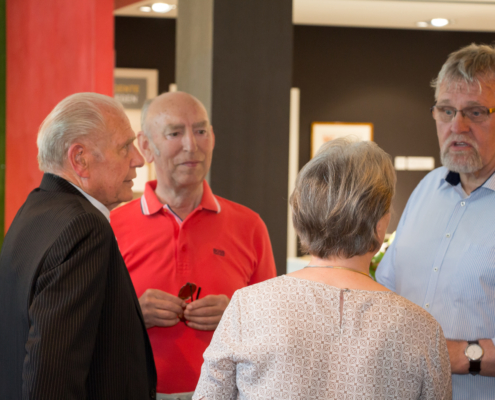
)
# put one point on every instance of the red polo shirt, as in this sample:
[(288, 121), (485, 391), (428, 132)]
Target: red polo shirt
[(221, 246)]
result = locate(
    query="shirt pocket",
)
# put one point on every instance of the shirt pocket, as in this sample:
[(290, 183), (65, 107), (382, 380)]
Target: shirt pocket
[(474, 277)]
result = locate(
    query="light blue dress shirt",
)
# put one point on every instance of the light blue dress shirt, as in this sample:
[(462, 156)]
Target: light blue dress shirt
[(443, 259)]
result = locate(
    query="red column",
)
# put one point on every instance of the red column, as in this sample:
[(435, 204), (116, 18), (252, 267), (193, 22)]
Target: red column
[(54, 48)]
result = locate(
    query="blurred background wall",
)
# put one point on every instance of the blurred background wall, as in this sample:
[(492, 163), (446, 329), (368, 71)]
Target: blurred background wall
[(344, 74)]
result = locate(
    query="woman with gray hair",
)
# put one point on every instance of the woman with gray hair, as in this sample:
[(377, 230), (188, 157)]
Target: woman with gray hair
[(329, 331)]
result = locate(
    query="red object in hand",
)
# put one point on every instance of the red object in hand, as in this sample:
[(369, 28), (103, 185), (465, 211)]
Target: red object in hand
[(186, 292)]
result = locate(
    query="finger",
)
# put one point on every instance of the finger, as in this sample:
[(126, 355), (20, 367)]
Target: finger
[(201, 327), (168, 306), (153, 320), (152, 305), (203, 312), (162, 323), (204, 320), (156, 317), (157, 294), (207, 301), (161, 314), (219, 301)]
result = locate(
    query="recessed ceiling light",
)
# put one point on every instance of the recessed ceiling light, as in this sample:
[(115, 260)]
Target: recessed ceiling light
[(145, 9), (422, 24), (162, 7), (439, 22)]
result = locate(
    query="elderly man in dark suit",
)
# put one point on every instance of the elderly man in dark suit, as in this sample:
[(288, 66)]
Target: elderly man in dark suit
[(70, 322)]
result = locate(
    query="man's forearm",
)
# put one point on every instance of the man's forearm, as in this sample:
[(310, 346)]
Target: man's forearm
[(460, 363), (488, 359)]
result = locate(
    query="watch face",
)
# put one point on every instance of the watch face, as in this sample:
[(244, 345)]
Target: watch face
[(474, 352)]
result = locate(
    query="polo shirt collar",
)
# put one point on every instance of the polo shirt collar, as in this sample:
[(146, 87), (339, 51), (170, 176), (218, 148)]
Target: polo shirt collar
[(151, 205)]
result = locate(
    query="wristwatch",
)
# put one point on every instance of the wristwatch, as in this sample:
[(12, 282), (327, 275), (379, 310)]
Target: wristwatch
[(474, 352)]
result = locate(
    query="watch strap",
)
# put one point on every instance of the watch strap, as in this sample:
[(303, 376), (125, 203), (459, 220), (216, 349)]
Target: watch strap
[(474, 365)]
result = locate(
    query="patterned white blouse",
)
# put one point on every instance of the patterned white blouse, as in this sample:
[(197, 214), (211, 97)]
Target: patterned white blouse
[(285, 339)]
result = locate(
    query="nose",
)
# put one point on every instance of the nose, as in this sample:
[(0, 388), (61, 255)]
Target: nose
[(460, 123), (137, 160), (189, 143)]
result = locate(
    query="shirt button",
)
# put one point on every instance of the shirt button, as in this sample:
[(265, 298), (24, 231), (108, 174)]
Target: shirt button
[(463, 203), (435, 269), (447, 235), (427, 305)]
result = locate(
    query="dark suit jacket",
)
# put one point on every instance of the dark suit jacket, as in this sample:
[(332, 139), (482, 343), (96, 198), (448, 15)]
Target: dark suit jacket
[(70, 322)]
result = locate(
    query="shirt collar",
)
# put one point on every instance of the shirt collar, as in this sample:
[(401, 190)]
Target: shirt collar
[(453, 178), (151, 205), (99, 206)]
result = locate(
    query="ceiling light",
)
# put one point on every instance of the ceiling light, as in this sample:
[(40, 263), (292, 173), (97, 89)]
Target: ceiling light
[(422, 24), (162, 7), (145, 9), (439, 22)]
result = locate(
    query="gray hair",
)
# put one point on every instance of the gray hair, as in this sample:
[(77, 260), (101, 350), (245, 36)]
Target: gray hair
[(340, 196), (78, 115), (469, 65)]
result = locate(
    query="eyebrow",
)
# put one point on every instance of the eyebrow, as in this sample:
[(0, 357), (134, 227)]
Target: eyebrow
[(447, 102), (128, 141), (201, 124), (172, 127)]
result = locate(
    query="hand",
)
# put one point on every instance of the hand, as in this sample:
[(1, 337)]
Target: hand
[(205, 314), (160, 308)]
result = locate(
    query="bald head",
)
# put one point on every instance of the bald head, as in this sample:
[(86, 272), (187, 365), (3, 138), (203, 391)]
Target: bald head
[(170, 103)]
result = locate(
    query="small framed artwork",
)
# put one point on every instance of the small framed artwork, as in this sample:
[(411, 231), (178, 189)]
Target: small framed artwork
[(322, 132)]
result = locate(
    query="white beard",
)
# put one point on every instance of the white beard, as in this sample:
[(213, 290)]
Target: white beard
[(465, 163)]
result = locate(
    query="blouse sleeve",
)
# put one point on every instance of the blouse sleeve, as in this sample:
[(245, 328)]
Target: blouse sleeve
[(218, 373), (437, 383)]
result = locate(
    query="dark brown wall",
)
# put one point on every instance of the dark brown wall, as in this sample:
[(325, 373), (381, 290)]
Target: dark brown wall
[(147, 43), (250, 110), (344, 74), (375, 75)]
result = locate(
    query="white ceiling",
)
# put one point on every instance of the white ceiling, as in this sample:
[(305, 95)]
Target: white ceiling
[(465, 15)]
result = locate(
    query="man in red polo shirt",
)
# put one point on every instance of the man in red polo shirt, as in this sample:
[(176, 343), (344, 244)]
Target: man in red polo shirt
[(179, 232)]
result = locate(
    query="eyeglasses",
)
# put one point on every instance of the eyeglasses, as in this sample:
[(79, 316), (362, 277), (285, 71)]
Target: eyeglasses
[(447, 114), (187, 292)]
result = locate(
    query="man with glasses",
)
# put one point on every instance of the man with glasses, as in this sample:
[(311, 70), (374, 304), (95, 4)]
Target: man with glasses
[(443, 257), (179, 236)]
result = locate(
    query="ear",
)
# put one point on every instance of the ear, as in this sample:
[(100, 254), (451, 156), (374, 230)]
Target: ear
[(382, 225), (145, 147), (78, 159)]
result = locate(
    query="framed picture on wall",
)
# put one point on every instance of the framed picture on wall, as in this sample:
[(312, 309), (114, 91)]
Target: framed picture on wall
[(322, 132)]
